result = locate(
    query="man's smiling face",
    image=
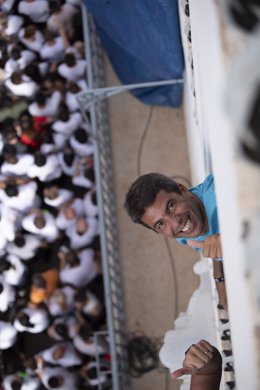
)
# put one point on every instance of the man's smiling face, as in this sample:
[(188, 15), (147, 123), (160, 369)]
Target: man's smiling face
[(177, 215)]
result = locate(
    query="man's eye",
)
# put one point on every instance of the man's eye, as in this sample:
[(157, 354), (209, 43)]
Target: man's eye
[(159, 226), (171, 206)]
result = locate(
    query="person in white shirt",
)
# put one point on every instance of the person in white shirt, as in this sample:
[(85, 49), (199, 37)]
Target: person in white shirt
[(69, 213), (24, 246), (82, 232), (45, 167), (15, 164), (14, 381), (7, 295), (58, 378), (45, 105), (31, 37), (78, 270), (8, 335), (32, 320), (87, 303), (6, 6), (67, 160), (41, 223), (53, 48), (19, 59), (61, 15), (10, 222), (64, 354), (13, 270), (71, 94), (37, 10), (22, 198), (10, 24), (72, 69), (90, 203), (63, 328), (61, 302), (67, 122), (21, 85), (84, 343), (81, 143), (55, 196)]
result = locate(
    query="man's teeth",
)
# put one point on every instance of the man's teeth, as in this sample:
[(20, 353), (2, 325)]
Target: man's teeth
[(187, 226)]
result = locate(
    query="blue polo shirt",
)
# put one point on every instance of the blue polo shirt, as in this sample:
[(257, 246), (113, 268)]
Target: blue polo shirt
[(206, 193)]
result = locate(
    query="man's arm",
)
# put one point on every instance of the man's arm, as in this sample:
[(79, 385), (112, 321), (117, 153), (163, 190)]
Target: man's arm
[(204, 363), (211, 247)]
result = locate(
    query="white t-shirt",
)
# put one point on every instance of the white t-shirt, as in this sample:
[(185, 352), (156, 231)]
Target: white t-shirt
[(51, 107), (25, 200), (11, 221), (69, 359), (69, 126), (82, 149), (88, 348), (29, 249), (8, 335), (49, 231), (92, 304), (29, 382), (82, 274), (38, 317), (20, 167), (63, 196), (73, 73), (64, 15), (15, 22), (55, 52), (50, 171), (91, 209), (37, 10), (16, 274), (6, 6), (70, 379), (71, 98), (27, 88), (7, 296), (11, 65), (80, 240), (35, 44), (67, 169)]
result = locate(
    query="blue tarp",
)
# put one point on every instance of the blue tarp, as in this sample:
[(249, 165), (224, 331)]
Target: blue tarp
[(142, 41)]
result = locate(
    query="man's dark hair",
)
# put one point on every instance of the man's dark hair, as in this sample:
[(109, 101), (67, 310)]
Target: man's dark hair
[(4, 265), (39, 281), (40, 99), (70, 60), (72, 259), (24, 319), (19, 241), (62, 330), (15, 53), (40, 160), (1, 288), (92, 373), (80, 296), (16, 384), (32, 71), (81, 136), (64, 114), (143, 191), (68, 158), (11, 190), (54, 382), (85, 331), (16, 78)]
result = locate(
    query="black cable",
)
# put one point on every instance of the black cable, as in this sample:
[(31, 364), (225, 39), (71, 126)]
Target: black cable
[(142, 354)]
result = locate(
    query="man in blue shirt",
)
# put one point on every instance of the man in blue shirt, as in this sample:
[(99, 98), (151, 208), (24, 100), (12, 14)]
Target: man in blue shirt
[(189, 215)]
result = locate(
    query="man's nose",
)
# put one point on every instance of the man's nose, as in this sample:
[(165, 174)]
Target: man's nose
[(174, 223)]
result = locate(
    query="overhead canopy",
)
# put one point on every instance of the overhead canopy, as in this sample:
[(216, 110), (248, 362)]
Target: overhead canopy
[(142, 41)]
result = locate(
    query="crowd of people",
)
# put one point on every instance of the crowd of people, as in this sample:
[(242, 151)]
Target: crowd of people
[(51, 286)]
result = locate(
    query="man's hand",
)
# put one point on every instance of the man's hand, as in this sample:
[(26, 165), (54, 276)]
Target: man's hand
[(211, 246), (196, 358)]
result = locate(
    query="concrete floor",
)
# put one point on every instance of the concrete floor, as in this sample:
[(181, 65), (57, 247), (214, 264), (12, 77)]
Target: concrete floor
[(157, 273)]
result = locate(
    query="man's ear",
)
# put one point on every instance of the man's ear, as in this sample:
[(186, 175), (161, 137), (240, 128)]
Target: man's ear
[(182, 188)]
